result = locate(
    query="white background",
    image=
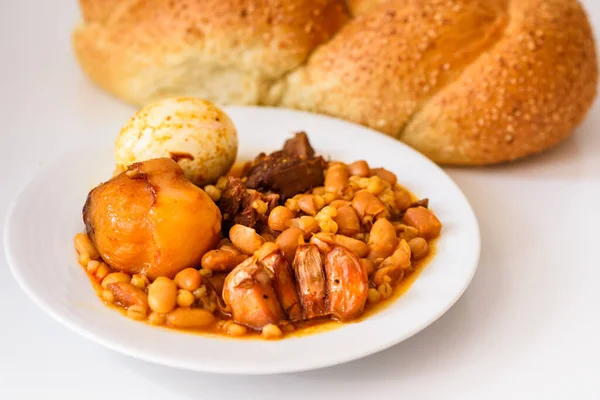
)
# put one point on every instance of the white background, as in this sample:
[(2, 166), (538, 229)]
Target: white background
[(527, 327)]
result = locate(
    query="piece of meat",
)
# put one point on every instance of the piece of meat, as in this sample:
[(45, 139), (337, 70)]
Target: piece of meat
[(299, 146), (420, 203), (290, 171), (231, 198), (237, 201), (286, 175)]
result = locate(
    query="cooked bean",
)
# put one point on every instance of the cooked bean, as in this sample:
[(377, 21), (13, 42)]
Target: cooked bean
[(128, 295), (188, 279), (310, 203), (365, 205), (418, 248), (289, 240), (84, 245), (188, 318), (279, 218), (92, 266), (336, 177), (347, 221), (424, 220), (114, 277), (108, 296), (356, 246), (84, 259), (162, 295), (245, 239), (359, 168), (102, 271), (382, 240), (386, 175), (402, 199), (224, 259), (266, 250)]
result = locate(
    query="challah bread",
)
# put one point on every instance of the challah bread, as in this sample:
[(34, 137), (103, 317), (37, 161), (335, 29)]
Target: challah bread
[(226, 51), (466, 82)]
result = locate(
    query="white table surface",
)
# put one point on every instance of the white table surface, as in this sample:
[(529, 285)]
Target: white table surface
[(528, 326)]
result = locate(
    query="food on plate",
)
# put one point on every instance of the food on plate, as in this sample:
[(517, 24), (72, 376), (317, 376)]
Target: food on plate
[(151, 220), (195, 133), (289, 242), (465, 82)]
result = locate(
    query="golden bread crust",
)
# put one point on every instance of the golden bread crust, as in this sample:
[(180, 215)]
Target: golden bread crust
[(466, 82)]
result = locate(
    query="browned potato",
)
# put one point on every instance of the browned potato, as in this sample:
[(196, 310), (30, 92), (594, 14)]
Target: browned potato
[(150, 219)]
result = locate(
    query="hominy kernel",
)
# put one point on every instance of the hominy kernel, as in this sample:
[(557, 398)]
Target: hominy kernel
[(260, 206), (329, 197), (376, 185), (114, 277), (292, 204), (221, 183), (200, 292), (236, 330), (213, 192), (140, 281), (385, 289), (84, 245), (373, 296), (271, 331), (205, 272), (185, 298), (137, 312), (156, 318)]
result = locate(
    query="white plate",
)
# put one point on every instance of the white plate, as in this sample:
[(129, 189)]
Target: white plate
[(47, 213)]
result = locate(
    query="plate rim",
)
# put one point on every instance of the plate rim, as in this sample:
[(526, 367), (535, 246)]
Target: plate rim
[(182, 364)]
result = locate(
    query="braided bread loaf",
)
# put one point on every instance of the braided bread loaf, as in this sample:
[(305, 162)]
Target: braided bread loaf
[(466, 82)]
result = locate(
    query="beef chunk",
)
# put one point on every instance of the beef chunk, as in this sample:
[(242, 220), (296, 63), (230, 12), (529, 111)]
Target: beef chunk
[(420, 203), (290, 171), (286, 175), (236, 205), (231, 198), (299, 146)]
